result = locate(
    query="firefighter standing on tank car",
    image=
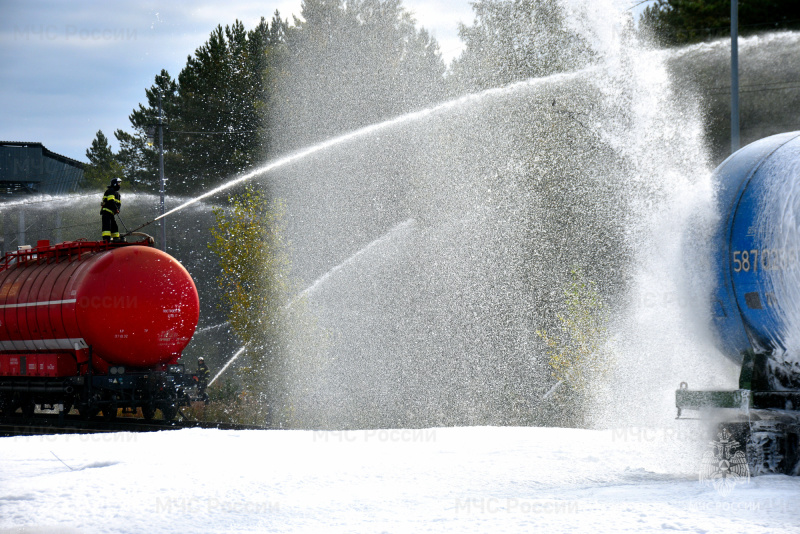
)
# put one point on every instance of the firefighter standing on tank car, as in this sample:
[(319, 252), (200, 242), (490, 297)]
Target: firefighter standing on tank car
[(109, 209), (203, 374)]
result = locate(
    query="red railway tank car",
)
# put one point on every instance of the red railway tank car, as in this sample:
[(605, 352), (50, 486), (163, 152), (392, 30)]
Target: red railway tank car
[(94, 325)]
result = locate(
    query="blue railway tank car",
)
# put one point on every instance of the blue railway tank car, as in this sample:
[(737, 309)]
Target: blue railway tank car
[(756, 247), (755, 305)]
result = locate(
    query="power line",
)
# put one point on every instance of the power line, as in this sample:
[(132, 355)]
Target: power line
[(774, 24), (235, 132), (637, 4), (765, 84), (757, 88)]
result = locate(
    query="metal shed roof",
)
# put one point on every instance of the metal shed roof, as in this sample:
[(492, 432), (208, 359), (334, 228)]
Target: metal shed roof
[(29, 167)]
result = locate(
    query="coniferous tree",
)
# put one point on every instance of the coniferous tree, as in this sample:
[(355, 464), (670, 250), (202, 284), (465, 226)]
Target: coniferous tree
[(141, 161), (223, 93), (212, 113), (103, 165), (350, 64), (137, 167), (217, 106), (675, 22), (513, 40), (244, 95)]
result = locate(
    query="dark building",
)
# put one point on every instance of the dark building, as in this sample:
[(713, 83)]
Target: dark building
[(29, 168)]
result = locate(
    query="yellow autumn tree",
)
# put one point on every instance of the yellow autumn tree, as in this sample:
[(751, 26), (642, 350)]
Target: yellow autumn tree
[(283, 344), (576, 351), (249, 240)]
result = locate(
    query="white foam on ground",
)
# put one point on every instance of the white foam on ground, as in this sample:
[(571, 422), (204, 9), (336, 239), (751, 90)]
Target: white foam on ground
[(475, 479)]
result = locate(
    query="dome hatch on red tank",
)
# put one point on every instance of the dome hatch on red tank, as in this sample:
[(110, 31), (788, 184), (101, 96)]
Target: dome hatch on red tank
[(138, 305)]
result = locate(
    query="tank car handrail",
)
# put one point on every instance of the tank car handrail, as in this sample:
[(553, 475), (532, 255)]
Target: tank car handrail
[(95, 325), (70, 250)]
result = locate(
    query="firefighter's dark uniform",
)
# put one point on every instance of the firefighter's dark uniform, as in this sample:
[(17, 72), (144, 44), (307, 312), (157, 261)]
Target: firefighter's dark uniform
[(108, 209), (203, 375)]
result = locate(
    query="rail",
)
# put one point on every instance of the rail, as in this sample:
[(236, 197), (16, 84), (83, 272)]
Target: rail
[(51, 424)]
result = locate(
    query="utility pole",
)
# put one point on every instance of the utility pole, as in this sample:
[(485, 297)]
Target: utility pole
[(734, 75), (21, 234), (161, 174), (57, 237)]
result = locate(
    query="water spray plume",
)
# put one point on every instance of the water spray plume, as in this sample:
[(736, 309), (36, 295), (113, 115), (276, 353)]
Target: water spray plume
[(360, 133), (510, 189), (393, 233), (227, 364), (402, 227)]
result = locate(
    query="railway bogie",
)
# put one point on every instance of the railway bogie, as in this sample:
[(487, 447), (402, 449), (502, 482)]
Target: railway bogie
[(95, 327), (755, 306)]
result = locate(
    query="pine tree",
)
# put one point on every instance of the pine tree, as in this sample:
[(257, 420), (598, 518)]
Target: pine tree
[(243, 95), (351, 64), (223, 95), (213, 112), (248, 239), (676, 22), (513, 40), (141, 161), (103, 166)]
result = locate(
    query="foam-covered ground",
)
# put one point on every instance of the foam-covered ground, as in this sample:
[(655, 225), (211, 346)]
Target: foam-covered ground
[(477, 479)]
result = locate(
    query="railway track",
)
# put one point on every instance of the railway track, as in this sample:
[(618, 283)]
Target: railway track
[(53, 424)]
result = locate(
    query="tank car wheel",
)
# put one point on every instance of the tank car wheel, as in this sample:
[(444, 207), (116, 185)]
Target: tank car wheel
[(28, 409), (169, 411), (25, 406), (110, 409), (14, 403), (766, 448), (148, 412), (87, 411)]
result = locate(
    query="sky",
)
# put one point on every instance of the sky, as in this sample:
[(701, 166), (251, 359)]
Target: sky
[(72, 68)]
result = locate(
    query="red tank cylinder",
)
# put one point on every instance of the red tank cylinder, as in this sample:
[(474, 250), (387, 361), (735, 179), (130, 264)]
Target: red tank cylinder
[(134, 305)]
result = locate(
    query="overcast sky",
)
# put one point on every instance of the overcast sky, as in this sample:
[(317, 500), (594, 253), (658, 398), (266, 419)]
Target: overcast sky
[(69, 69)]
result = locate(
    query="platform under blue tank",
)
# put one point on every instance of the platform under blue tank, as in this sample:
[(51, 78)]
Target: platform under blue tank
[(747, 311)]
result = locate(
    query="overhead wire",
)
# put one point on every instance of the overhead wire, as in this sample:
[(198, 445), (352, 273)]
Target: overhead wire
[(637, 4), (214, 133), (758, 88), (776, 24)]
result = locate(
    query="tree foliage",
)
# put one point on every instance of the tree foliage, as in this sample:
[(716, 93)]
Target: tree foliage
[(350, 64), (282, 340), (246, 95), (576, 350), (514, 40), (103, 164), (248, 239), (140, 162), (676, 22), (220, 93), (213, 112)]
